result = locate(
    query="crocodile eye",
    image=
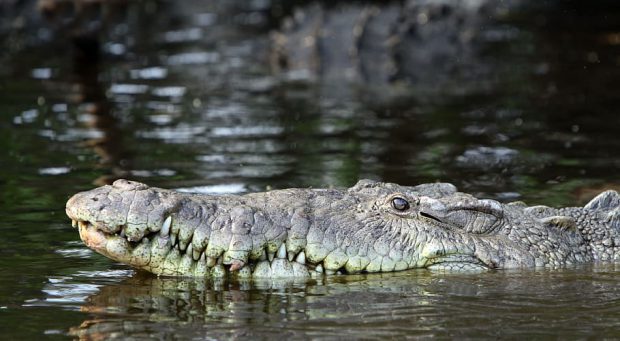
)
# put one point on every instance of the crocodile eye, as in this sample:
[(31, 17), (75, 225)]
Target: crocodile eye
[(400, 204)]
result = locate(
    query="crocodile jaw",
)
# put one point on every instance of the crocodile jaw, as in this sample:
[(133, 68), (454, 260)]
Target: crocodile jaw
[(156, 254), (167, 243)]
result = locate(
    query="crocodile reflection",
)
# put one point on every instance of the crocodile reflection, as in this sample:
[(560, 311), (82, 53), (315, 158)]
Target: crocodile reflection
[(406, 304), (142, 302)]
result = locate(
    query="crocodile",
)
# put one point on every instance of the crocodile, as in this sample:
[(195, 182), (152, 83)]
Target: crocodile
[(370, 227)]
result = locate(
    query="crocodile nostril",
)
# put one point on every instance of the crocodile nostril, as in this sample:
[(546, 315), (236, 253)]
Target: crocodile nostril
[(123, 184)]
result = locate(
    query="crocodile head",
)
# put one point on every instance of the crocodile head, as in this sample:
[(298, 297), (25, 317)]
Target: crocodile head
[(371, 227)]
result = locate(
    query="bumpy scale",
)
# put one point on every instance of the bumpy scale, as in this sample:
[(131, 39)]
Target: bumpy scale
[(370, 227)]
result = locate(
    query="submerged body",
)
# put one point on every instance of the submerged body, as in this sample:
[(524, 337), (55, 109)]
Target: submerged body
[(370, 227)]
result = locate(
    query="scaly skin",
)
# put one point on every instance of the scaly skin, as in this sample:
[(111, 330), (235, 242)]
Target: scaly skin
[(371, 227)]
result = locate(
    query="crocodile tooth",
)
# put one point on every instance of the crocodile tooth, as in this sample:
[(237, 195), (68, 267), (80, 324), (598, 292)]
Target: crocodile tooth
[(282, 251), (301, 258), (165, 228), (190, 250), (173, 239), (236, 265), (244, 272), (291, 256), (263, 256), (122, 234), (74, 223), (196, 254), (82, 224), (211, 261), (161, 242), (202, 256), (201, 269), (271, 256), (319, 268), (218, 271)]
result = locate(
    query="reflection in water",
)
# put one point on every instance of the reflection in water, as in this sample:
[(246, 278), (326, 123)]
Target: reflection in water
[(82, 23), (95, 113), (192, 102), (409, 304)]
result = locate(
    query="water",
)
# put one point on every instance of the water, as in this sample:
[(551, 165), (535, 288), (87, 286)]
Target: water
[(182, 98)]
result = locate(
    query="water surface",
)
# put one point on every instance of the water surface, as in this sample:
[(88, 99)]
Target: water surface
[(182, 97)]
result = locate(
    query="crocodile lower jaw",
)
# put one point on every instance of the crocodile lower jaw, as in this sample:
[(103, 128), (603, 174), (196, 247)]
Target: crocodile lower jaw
[(162, 255)]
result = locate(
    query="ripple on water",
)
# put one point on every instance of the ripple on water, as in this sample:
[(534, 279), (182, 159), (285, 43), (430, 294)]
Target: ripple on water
[(41, 73), (153, 72), (181, 133), (54, 170), (128, 89), (241, 131), (81, 252), (189, 58), (169, 91), (71, 292), (180, 36)]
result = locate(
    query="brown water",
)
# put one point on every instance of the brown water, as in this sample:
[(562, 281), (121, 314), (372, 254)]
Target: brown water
[(182, 97)]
